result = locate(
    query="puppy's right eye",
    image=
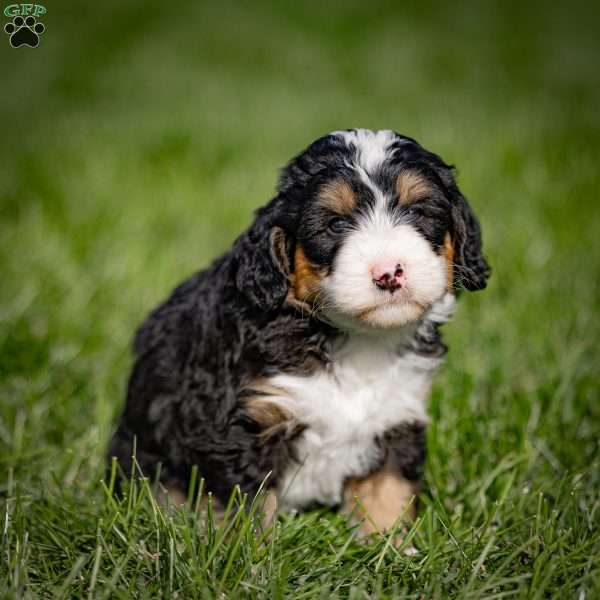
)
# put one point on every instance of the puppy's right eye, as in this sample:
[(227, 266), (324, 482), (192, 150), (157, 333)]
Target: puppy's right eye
[(422, 211), (338, 225)]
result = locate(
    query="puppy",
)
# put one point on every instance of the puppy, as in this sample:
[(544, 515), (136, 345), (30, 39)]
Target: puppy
[(304, 355)]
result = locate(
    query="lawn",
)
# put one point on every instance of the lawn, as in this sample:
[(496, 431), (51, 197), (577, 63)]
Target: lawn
[(136, 141)]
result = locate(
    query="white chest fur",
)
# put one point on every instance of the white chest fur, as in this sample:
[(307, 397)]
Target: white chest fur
[(370, 388)]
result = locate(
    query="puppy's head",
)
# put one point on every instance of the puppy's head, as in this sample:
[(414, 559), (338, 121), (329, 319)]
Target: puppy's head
[(368, 229)]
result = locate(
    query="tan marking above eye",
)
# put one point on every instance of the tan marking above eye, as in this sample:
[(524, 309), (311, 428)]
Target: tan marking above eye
[(411, 187), (337, 196)]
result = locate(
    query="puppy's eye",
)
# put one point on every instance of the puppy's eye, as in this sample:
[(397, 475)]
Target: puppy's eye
[(420, 210), (338, 225)]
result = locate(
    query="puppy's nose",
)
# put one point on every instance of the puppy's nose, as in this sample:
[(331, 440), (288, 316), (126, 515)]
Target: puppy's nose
[(388, 276)]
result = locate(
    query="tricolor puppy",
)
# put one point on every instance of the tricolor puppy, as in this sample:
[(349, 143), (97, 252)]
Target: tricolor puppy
[(305, 354)]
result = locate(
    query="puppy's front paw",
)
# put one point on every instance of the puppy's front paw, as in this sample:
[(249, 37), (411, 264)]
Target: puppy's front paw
[(378, 502)]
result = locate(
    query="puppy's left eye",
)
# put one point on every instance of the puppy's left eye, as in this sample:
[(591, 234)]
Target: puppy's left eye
[(423, 211), (338, 225)]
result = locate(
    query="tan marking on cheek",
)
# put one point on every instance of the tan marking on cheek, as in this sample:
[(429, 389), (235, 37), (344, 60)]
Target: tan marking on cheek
[(380, 499), (307, 277), (448, 252), (411, 187), (338, 196)]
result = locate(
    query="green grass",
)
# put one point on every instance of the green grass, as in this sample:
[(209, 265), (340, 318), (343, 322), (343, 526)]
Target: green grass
[(136, 141)]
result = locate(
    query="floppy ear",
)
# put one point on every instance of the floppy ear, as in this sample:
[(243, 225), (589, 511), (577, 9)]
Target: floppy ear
[(263, 266), (471, 270)]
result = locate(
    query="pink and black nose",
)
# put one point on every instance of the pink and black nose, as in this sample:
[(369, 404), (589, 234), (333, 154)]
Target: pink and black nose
[(388, 277)]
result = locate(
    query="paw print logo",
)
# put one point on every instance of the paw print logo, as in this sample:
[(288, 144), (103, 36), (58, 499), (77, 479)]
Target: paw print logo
[(24, 32)]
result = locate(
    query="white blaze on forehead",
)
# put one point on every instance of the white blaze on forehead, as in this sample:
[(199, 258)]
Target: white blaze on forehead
[(372, 147)]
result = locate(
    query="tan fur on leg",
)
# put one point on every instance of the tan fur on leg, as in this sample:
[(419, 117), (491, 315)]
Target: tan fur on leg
[(379, 499)]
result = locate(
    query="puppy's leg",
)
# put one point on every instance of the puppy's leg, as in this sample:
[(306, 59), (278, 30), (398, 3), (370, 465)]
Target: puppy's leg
[(390, 492), (380, 499)]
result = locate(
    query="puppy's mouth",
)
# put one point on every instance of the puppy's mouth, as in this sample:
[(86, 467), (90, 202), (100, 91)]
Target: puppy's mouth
[(391, 311), (397, 311)]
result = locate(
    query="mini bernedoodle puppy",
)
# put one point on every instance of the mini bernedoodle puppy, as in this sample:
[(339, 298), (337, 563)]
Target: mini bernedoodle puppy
[(305, 354)]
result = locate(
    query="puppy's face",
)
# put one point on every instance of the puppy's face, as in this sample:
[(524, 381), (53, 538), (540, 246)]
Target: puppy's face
[(373, 230)]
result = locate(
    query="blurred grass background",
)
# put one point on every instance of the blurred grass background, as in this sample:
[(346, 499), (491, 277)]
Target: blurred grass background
[(136, 141)]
